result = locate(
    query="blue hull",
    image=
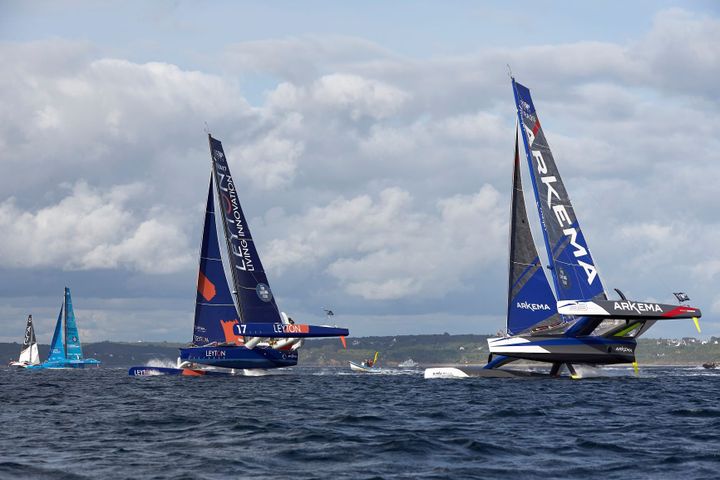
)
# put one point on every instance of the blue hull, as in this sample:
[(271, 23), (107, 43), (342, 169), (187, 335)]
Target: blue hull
[(239, 357), (188, 372), (87, 363)]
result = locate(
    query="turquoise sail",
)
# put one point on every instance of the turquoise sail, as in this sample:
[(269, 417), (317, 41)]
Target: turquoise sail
[(65, 348), (73, 349), (57, 349)]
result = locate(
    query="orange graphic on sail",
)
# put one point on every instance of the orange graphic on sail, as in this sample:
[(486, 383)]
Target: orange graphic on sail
[(205, 287), (229, 331)]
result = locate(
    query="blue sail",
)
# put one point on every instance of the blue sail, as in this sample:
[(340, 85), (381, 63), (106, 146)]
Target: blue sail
[(530, 298), (73, 350), (215, 312), (255, 299), (573, 268), (57, 350)]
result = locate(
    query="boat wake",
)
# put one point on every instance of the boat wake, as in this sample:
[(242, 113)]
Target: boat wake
[(161, 363), (588, 371)]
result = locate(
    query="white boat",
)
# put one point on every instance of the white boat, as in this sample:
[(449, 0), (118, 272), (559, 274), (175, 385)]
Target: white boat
[(29, 354), (366, 366), (409, 363), (362, 367)]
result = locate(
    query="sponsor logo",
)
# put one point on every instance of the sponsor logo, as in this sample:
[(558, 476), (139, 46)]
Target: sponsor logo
[(623, 349), (240, 248), (526, 110), (639, 307), (532, 306), (562, 216), (562, 276), (263, 291), (218, 154), (215, 353), (290, 328)]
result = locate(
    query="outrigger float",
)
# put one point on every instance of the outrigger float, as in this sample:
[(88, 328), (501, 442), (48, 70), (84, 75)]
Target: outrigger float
[(245, 329), (581, 325)]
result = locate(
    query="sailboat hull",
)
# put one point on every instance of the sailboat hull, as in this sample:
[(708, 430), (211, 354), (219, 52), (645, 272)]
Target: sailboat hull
[(19, 364), (187, 372), (66, 364), (239, 357), (563, 349)]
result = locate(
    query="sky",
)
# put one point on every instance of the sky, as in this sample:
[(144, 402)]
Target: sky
[(371, 143)]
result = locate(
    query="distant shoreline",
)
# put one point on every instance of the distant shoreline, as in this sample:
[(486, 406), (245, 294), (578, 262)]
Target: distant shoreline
[(426, 350)]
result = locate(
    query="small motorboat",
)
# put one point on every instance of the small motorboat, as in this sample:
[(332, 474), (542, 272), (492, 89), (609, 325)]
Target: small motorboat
[(366, 366), (711, 365), (409, 363)]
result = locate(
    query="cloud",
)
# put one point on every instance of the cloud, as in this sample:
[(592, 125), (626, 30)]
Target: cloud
[(341, 93), (91, 229), (385, 248)]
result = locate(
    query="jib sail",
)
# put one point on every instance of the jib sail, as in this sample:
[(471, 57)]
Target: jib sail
[(530, 298), (214, 306), (57, 349)]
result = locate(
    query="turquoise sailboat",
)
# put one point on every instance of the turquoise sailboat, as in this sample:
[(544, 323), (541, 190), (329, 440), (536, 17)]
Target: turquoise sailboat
[(65, 348)]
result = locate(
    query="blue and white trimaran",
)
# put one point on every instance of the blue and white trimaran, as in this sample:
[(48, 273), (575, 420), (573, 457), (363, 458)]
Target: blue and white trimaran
[(581, 325), (65, 348), (242, 329)]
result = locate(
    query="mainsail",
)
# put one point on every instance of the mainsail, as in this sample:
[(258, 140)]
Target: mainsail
[(530, 298), (73, 349), (29, 353), (573, 268), (254, 297), (214, 306)]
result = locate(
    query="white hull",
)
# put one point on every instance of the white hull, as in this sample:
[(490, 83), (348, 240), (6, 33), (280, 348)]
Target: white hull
[(361, 368), (18, 364), (447, 372)]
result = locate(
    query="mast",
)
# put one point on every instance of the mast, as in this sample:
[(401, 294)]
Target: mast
[(65, 322), (511, 227)]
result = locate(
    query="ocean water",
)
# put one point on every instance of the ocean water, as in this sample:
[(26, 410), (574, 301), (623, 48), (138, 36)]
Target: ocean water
[(309, 423)]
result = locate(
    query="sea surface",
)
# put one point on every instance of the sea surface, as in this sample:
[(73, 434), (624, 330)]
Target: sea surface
[(309, 423)]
